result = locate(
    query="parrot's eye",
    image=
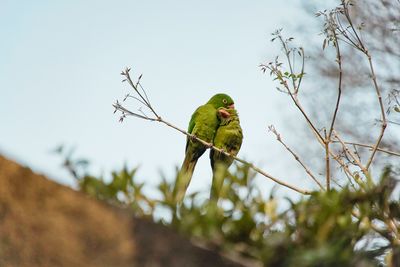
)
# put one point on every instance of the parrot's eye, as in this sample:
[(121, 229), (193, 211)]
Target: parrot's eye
[(224, 101)]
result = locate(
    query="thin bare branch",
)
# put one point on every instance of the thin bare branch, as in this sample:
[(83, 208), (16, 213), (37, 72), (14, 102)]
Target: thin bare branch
[(296, 157), (253, 167), (351, 35), (328, 137), (287, 52), (309, 122), (361, 47), (383, 115), (125, 112), (393, 122), (349, 179), (351, 154), (302, 69), (339, 62), (346, 169), (327, 162), (372, 146), (277, 72), (144, 98), (136, 98), (348, 17)]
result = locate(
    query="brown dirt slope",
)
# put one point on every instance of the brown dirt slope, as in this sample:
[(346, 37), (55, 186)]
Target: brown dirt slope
[(45, 224)]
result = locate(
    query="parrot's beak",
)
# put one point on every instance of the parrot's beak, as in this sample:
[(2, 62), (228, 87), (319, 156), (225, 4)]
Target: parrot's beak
[(232, 106), (223, 113)]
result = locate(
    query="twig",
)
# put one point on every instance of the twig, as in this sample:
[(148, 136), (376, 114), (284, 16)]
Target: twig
[(327, 162), (346, 169), (349, 179), (339, 62), (135, 87), (328, 137), (354, 157), (275, 69), (361, 47), (287, 52), (393, 122), (371, 147), (296, 157), (350, 34), (282, 77), (384, 123), (348, 17), (125, 112), (302, 68)]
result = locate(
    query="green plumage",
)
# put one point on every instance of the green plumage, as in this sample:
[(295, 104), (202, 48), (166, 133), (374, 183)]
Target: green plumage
[(203, 124), (228, 137)]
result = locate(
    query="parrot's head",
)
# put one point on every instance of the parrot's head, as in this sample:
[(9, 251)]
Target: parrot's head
[(221, 101)]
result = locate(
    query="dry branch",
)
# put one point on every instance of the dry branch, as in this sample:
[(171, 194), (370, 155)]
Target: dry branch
[(393, 153), (296, 157), (352, 155)]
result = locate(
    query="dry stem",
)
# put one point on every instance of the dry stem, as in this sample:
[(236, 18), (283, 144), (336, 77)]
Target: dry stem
[(354, 38), (296, 157), (384, 123), (349, 152), (393, 153)]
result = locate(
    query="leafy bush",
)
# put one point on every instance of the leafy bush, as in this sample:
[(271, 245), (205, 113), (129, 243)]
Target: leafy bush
[(342, 227)]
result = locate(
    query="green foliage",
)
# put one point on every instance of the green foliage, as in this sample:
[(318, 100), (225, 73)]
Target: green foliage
[(343, 227), (122, 190)]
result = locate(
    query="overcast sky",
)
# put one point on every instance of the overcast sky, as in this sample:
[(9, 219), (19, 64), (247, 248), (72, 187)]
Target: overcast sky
[(60, 72)]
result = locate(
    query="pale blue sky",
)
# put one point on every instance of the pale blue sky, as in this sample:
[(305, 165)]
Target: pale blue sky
[(59, 75)]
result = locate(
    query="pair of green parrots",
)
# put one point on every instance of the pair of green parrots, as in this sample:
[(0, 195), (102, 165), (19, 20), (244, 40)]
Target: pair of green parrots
[(216, 122)]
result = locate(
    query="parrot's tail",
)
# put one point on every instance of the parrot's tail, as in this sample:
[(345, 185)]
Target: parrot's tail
[(184, 177), (219, 172)]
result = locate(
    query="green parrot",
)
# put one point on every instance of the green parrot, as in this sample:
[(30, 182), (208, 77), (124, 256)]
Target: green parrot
[(203, 125), (228, 137)]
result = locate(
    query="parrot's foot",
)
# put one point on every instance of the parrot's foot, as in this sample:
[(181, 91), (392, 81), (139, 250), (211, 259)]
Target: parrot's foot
[(192, 137), (222, 151), (210, 145)]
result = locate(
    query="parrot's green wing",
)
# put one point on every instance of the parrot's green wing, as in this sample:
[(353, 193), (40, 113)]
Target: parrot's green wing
[(192, 121), (228, 137), (203, 124)]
